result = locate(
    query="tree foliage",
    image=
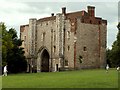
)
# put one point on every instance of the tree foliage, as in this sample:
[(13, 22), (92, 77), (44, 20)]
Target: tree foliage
[(12, 53), (113, 55), (6, 43)]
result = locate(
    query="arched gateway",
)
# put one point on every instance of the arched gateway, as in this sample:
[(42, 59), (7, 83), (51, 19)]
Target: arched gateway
[(45, 61)]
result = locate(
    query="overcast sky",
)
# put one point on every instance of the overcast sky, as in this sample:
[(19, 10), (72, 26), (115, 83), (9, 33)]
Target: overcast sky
[(15, 13)]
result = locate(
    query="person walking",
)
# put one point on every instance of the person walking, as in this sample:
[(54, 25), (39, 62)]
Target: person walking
[(107, 67), (118, 68), (5, 70)]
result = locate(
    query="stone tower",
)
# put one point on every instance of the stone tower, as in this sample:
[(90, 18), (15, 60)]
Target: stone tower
[(66, 41)]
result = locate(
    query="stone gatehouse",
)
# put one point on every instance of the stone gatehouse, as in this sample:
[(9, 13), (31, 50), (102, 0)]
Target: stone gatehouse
[(74, 40)]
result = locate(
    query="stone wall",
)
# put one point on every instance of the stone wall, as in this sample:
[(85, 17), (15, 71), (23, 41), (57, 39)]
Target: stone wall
[(25, 37), (91, 45), (69, 45)]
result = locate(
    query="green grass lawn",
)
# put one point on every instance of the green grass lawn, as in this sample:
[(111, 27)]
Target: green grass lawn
[(66, 79)]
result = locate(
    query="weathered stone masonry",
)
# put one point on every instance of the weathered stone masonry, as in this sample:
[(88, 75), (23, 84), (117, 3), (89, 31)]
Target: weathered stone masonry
[(57, 42)]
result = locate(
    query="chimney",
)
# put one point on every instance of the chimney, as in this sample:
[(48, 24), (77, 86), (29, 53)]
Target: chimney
[(52, 14), (91, 11), (64, 10)]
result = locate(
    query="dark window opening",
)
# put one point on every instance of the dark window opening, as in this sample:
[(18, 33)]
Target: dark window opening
[(64, 29), (44, 36), (54, 49), (84, 49), (66, 62), (68, 48), (24, 38), (57, 69), (90, 22)]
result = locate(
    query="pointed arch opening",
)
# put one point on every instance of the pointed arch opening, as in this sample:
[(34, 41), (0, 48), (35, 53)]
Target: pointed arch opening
[(45, 61)]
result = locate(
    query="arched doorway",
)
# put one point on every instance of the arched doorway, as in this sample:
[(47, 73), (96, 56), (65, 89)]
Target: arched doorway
[(45, 61)]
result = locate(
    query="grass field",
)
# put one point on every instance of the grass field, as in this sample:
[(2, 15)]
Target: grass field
[(66, 79)]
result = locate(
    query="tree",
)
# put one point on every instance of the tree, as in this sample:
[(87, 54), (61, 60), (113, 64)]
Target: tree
[(108, 57), (16, 59), (6, 43), (12, 53), (0, 48), (115, 52)]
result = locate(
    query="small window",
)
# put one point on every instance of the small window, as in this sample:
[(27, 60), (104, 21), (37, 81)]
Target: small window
[(24, 38), (66, 62), (54, 49), (64, 29), (44, 36), (90, 21), (84, 49), (68, 48)]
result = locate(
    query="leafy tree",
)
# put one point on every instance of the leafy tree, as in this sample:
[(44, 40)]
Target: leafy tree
[(0, 48), (16, 59), (6, 43), (108, 57), (12, 53), (115, 52)]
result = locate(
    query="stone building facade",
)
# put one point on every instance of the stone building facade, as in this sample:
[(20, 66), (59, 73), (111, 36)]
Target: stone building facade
[(75, 40)]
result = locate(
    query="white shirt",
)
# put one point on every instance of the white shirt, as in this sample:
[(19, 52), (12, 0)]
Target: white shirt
[(118, 68), (107, 67), (5, 69)]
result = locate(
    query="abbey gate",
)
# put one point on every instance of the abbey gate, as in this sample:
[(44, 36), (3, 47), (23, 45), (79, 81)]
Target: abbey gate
[(65, 41)]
